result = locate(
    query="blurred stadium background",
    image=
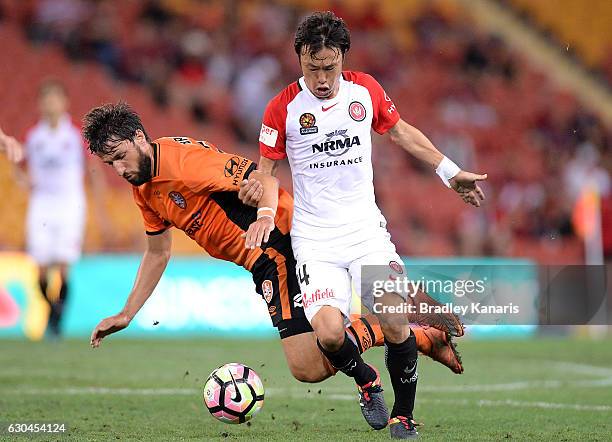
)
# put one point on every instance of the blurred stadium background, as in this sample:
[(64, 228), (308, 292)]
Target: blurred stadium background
[(519, 89)]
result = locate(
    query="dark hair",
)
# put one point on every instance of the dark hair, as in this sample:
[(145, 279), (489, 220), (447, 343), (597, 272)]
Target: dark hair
[(51, 84), (110, 123), (319, 30)]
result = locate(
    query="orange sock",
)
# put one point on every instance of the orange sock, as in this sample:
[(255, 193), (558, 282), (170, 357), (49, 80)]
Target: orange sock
[(366, 331)]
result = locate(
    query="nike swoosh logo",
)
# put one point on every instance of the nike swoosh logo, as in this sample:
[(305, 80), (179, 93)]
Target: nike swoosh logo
[(409, 370), (237, 396), (325, 109)]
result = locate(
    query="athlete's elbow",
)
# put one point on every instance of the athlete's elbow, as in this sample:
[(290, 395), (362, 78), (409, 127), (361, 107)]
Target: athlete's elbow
[(161, 255)]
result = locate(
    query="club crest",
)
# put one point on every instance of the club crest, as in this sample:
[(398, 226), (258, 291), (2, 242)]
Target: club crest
[(267, 290), (178, 199)]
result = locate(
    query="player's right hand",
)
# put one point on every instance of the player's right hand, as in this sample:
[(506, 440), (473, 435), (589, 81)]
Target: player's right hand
[(108, 326), (258, 232), (12, 147), (466, 185), (250, 192)]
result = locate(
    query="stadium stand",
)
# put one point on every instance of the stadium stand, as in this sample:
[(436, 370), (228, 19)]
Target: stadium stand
[(586, 30), (201, 69)]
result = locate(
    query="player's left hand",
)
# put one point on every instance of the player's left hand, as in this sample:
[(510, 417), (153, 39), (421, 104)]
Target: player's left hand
[(250, 192), (107, 326), (466, 185), (259, 232)]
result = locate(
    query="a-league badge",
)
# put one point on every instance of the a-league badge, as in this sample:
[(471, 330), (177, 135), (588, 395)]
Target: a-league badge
[(307, 123)]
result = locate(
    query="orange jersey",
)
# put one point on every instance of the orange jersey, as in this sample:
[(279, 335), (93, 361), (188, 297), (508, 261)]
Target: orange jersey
[(195, 188)]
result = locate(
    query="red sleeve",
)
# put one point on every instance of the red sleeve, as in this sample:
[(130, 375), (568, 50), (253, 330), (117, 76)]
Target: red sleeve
[(272, 136), (385, 112), (152, 222)]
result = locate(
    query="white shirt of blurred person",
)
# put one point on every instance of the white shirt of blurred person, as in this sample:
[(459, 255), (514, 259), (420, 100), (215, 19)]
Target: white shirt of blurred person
[(322, 124), (54, 153), (54, 158)]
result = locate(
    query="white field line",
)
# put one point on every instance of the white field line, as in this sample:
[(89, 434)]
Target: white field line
[(69, 391), (519, 404), (559, 366), (466, 388), (584, 369), (301, 395), (299, 392)]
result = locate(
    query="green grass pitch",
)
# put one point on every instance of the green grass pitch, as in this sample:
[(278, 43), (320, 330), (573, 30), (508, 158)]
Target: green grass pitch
[(543, 389)]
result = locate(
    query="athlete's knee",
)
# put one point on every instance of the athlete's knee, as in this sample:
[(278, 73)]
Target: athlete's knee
[(395, 331), (329, 328), (331, 339)]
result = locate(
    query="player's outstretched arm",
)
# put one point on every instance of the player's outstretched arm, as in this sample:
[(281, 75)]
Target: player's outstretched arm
[(13, 148), (251, 190), (259, 231), (152, 266), (417, 144)]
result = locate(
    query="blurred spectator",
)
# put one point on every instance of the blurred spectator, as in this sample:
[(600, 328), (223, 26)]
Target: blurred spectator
[(54, 158)]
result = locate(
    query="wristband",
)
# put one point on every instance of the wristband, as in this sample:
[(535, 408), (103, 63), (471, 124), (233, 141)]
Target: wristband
[(265, 216), (447, 170), (261, 209)]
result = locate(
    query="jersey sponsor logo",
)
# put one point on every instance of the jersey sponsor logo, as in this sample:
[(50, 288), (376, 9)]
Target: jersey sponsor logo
[(318, 295), (231, 167), (334, 163), (268, 135), (267, 289), (178, 199), (357, 111), (235, 167), (336, 143), (307, 123), (195, 225), (391, 107), (325, 109)]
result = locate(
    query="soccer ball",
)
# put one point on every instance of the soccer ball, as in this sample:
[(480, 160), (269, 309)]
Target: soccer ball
[(233, 393)]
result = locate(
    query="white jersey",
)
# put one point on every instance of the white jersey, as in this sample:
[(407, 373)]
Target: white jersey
[(329, 147), (55, 160)]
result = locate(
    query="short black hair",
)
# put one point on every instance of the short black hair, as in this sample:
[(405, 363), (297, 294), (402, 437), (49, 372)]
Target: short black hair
[(110, 123), (319, 30)]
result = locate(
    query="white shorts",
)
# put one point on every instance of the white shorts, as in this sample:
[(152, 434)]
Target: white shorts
[(327, 272), (55, 230)]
